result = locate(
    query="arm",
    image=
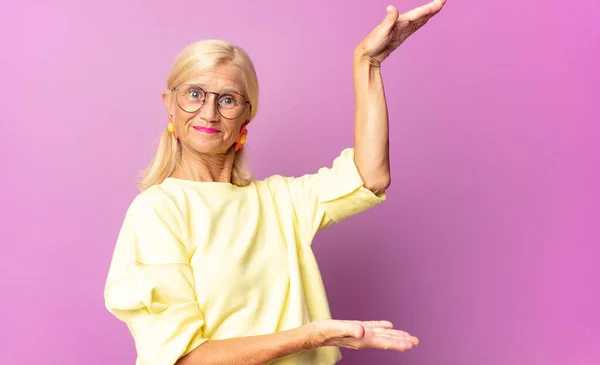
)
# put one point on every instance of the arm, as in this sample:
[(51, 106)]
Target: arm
[(260, 350), (371, 142), (359, 177), (253, 350)]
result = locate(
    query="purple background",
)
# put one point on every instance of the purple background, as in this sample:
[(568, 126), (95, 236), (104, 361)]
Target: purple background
[(487, 248)]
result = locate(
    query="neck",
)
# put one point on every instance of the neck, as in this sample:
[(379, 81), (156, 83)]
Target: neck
[(203, 167)]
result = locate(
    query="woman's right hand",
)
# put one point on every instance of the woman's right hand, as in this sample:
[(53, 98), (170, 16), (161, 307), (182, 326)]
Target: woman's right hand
[(359, 335)]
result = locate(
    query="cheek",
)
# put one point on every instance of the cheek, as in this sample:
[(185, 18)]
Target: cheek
[(234, 128), (182, 118)]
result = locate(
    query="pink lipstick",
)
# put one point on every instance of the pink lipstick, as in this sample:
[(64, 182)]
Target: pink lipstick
[(206, 130)]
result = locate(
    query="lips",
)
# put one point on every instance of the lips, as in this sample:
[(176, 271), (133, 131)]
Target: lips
[(206, 130)]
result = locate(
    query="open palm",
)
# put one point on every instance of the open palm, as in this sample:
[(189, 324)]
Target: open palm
[(395, 29), (360, 335)]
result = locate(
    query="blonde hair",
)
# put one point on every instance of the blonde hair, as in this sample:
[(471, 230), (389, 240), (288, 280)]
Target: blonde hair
[(194, 59)]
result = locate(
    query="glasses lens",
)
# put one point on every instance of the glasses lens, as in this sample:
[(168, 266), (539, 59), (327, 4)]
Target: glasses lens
[(190, 98), (231, 105)]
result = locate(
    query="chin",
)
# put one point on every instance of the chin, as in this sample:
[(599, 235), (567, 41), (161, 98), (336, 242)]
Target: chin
[(209, 147)]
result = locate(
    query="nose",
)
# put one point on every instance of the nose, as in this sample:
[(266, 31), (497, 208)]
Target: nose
[(209, 110)]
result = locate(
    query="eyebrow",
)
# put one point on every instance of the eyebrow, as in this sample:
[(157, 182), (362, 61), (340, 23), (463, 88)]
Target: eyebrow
[(224, 90), (231, 89)]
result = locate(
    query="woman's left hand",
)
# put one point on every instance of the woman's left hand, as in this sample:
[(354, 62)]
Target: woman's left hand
[(394, 30)]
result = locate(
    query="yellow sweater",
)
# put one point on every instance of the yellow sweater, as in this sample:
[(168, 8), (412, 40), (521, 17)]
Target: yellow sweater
[(204, 260)]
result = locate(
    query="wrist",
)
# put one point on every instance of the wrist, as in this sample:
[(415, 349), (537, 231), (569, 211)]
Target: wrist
[(314, 335), (363, 60)]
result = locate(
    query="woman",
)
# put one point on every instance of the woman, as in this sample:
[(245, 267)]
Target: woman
[(211, 267)]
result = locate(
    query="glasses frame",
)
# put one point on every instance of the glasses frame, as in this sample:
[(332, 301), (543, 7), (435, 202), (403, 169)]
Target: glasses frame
[(217, 96)]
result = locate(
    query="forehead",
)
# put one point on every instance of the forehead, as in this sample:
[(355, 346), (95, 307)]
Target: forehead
[(221, 77)]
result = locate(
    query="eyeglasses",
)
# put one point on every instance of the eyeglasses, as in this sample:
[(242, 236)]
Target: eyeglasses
[(191, 98)]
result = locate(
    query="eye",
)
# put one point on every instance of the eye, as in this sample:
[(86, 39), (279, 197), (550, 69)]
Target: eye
[(227, 100), (195, 94)]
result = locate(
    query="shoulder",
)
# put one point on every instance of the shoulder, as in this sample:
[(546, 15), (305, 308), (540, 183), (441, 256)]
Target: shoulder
[(272, 180), (269, 184), (150, 234), (342, 167), (153, 228), (151, 204), (151, 198)]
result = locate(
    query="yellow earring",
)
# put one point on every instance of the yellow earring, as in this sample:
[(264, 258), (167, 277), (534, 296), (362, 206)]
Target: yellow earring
[(171, 129)]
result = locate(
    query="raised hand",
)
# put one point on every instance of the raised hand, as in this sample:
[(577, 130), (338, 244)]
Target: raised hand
[(394, 30), (362, 335)]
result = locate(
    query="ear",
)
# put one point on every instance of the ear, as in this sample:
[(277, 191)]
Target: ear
[(166, 96)]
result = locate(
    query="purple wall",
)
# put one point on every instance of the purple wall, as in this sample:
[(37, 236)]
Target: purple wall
[(487, 248)]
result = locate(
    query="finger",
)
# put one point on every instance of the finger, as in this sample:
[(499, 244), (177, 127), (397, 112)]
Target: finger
[(377, 324), (404, 342), (431, 8), (400, 337), (390, 343), (355, 330), (342, 328), (390, 18), (372, 324), (390, 331), (415, 340)]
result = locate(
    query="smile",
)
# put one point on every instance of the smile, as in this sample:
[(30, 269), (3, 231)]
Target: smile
[(206, 130)]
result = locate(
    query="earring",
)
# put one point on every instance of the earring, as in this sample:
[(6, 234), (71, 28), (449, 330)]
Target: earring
[(171, 129), (241, 139)]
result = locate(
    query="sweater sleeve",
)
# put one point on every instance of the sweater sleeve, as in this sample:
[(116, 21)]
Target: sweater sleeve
[(150, 285), (331, 195)]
